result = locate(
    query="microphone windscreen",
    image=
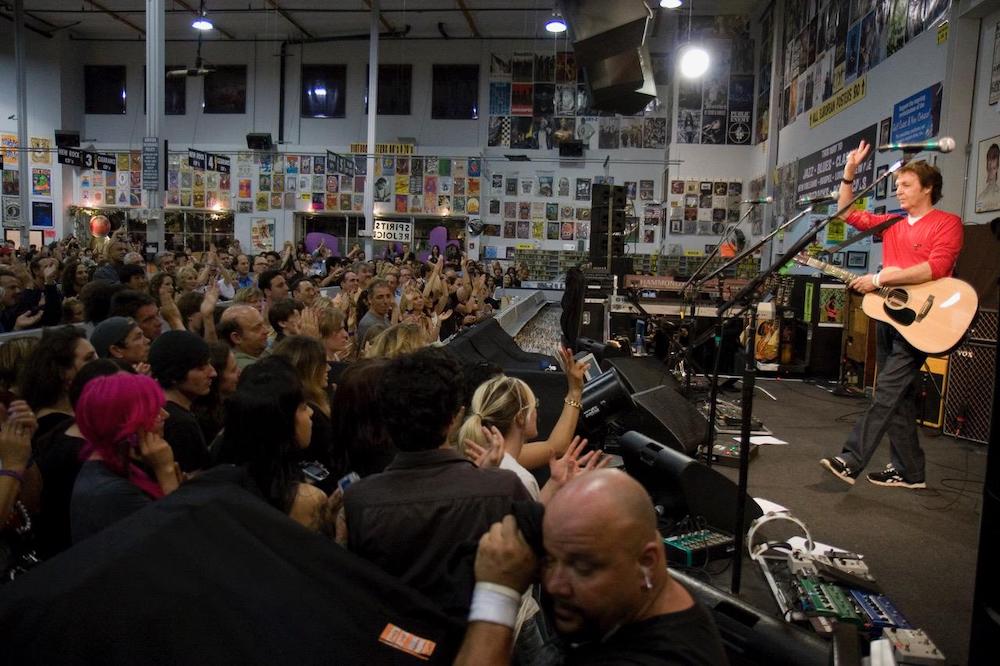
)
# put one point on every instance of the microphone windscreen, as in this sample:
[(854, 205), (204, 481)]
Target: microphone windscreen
[(946, 144)]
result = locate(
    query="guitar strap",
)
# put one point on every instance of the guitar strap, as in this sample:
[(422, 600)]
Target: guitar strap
[(877, 229)]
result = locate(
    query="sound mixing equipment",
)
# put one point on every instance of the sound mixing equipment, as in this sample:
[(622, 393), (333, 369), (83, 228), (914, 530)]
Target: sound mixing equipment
[(695, 548)]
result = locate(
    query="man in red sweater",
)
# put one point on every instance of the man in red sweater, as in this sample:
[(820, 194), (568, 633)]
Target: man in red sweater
[(923, 247)]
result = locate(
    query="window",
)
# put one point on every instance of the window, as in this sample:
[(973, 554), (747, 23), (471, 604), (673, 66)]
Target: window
[(226, 90), (343, 229), (197, 230), (104, 89), (174, 92), (323, 91), (395, 83), (455, 93)]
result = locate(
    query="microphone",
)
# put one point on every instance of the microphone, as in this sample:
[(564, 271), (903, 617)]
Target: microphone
[(945, 144), (818, 199), (758, 201)]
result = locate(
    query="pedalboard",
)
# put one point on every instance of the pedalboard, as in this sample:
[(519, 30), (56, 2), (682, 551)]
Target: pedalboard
[(913, 646), (695, 548), (728, 455), (879, 613)]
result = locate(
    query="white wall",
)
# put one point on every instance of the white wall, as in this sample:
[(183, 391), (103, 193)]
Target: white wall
[(44, 104)]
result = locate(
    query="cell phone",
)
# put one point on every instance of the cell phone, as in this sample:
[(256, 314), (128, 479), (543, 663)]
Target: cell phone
[(314, 472), (347, 480)]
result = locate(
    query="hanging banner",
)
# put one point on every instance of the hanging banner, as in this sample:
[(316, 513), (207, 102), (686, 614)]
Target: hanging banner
[(847, 97), (74, 157), (105, 162), (384, 148), (150, 163)]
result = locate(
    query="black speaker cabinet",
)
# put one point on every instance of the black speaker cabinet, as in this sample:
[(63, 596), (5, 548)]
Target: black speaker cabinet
[(259, 141), (931, 389), (594, 323), (67, 139), (968, 405), (571, 149), (665, 415)]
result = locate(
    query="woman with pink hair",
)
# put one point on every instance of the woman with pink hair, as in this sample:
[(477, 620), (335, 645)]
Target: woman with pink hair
[(127, 463)]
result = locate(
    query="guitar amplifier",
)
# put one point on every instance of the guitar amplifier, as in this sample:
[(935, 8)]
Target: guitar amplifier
[(984, 326), (931, 389), (968, 404)]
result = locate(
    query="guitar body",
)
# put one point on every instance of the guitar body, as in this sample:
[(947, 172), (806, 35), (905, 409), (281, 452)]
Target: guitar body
[(932, 316)]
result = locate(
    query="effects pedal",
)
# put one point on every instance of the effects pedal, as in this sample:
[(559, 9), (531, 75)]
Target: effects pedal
[(913, 646), (695, 548), (878, 612), (728, 455)]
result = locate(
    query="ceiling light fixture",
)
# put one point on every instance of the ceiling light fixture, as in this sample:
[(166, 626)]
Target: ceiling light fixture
[(694, 59), (556, 23), (202, 22), (670, 4)]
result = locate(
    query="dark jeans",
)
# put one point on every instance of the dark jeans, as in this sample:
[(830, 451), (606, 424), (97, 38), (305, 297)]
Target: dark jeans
[(893, 409)]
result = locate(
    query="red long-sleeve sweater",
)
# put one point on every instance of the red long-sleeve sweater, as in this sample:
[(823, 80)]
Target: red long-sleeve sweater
[(936, 238)]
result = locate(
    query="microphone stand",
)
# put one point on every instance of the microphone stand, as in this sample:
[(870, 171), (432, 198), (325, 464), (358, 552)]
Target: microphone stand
[(747, 296), (693, 298)]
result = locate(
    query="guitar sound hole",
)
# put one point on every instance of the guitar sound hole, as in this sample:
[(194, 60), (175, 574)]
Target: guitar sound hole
[(897, 298)]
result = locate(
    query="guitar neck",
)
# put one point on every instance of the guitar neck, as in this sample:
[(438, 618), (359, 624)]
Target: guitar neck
[(831, 270)]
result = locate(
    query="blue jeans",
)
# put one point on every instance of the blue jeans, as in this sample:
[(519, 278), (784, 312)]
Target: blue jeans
[(893, 409)]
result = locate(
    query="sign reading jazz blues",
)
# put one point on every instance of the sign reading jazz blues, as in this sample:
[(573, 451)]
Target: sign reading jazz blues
[(918, 117)]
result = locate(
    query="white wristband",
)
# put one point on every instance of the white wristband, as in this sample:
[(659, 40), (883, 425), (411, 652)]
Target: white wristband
[(494, 603), (877, 280)]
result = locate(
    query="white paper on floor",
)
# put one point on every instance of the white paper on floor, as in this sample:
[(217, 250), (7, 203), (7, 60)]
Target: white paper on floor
[(762, 439)]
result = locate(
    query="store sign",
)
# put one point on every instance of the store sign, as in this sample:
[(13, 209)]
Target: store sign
[(391, 230), (341, 164), (218, 163), (841, 100), (820, 172), (74, 157), (105, 162), (150, 163), (384, 148), (197, 159), (918, 117)]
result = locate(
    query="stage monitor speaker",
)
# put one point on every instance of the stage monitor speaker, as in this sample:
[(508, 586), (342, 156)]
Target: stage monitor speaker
[(641, 373), (666, 416), (259, 141), (751, 636), (931, 387), (67, 139), (594, 323), (571, 149), (968, 404), (704, 491)]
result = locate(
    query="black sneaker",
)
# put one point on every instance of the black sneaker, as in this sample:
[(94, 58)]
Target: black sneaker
[(839, 469), (891, 478)]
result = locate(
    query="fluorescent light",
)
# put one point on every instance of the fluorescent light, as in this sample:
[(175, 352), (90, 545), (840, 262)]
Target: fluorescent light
[(202, 23), (694, 62), (670, 4), (556, 22)]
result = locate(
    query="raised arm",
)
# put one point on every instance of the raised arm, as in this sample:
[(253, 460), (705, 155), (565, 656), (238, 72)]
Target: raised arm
[(536, 454)]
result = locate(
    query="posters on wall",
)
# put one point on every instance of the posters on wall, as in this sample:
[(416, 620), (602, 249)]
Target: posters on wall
[(718, 109), (830, 43), (987, 188), (995, 68), (262, 234), (41, 214), (701, 207)]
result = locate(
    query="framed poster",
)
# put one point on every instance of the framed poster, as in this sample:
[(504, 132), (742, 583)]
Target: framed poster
[(880, 189), (987, 189), (885, 130), (41, 214), (857, 259)]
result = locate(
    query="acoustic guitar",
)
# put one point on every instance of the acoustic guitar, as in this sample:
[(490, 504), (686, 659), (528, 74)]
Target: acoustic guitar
[(932, 316)]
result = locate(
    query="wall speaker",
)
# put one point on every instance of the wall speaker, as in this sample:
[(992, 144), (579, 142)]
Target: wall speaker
[(259, 141), (571, 149), (67, 139)]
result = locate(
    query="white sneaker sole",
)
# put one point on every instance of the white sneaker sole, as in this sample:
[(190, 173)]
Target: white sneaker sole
[(898, 484), (843, 477)]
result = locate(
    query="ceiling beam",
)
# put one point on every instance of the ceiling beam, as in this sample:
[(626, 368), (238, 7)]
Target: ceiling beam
[(115, 16), (382, 19), (468, 18), (195, 12), (288, 17)]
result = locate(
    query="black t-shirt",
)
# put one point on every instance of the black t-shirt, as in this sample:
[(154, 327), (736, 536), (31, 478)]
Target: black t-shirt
[(58, 457), (183, 434), (688, 637), (48, 423)]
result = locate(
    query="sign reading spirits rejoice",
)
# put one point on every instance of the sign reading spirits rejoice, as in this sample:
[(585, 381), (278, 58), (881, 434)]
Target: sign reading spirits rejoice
[(391, 230)]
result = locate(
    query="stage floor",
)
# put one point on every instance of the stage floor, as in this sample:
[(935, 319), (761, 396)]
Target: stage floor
[(919, 544)]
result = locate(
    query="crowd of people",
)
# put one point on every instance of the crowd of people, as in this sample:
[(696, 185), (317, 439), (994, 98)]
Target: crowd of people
[(144, 378)]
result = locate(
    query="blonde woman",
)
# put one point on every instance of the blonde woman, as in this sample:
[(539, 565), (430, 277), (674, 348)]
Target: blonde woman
[(502, 420), (398, 340), (504, 412)]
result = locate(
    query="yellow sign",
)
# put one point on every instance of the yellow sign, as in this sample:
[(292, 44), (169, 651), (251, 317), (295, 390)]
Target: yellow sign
[(942, 33), (384, 148), (836, 231), (851, 94), (693, 253)]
